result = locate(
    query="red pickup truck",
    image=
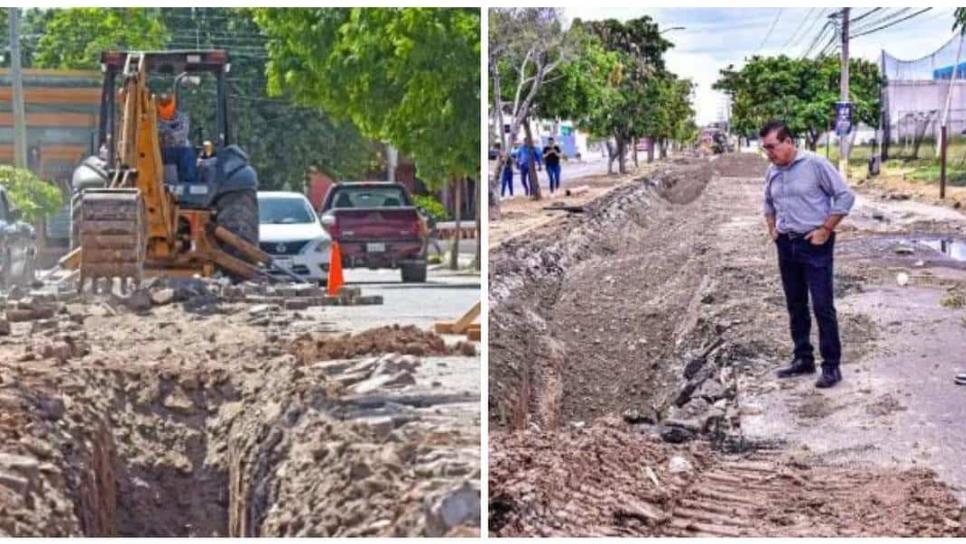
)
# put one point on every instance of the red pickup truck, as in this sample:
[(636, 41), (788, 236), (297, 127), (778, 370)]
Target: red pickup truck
[(377, 226)]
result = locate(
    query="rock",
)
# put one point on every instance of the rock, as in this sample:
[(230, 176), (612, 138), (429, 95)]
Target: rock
[(17, 484), (297, 304), (52, 408), (693, 367), (679, 465), (634, 416), (138, 301), (179, 402), (455, 508), (675, 435), (162, 297), (4, 327), (904, 250)]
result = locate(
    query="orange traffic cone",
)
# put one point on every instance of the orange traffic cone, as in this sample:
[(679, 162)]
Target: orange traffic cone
[(335, 269)]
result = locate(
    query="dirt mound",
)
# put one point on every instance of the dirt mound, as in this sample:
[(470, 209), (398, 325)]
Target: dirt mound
[(606, 480), (532, 340), (409, 340), (740, 165)]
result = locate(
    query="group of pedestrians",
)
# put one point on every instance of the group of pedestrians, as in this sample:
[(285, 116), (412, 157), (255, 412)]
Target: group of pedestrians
[(523, 156)]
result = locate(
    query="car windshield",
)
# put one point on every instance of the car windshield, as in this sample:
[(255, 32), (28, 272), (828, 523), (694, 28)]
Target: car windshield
[(370, 197), (284, 211)]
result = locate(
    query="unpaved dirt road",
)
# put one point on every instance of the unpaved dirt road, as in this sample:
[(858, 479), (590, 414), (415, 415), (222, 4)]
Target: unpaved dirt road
[(632, 353), (209, 413)]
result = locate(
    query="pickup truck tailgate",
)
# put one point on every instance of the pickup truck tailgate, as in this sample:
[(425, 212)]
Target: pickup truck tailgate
[(376, 224)]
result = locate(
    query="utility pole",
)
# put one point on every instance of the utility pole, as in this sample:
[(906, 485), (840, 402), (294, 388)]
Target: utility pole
[(16, 82), (943, 133), (844, 93)]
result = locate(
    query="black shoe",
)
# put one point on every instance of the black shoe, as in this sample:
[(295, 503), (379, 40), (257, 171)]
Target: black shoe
[(830, 376), (798, 367)]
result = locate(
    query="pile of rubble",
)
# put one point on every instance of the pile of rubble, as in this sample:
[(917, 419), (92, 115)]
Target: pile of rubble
[(114, 406)]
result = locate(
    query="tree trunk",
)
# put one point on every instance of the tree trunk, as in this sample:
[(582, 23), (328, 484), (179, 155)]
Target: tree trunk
[(478, 258), (455, 246), (634, 143), (621, 155), (493, 184), (663, 148), (610, 157), (534, 181), (650, 150)]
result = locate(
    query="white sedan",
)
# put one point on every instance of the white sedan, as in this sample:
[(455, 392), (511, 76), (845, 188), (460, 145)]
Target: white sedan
[(290, 232)]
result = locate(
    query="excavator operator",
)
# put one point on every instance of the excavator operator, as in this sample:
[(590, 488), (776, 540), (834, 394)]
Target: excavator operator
[(176, 150)]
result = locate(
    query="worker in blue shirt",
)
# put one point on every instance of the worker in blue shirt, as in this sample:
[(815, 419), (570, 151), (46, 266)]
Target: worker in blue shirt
[(525, 155)]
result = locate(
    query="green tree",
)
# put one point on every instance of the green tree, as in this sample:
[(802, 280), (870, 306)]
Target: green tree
[(405, 76), (638, 108), (74, 38), (34, 197), (282, 139), (801, 92)]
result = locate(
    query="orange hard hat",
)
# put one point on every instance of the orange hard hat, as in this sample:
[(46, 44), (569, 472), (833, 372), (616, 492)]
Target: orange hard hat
[(166, 107)]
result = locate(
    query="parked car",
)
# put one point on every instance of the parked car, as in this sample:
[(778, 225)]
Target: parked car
[(377, 226), (290, 232), (18, 246)]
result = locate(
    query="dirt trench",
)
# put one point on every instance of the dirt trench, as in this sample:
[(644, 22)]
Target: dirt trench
[(620, 346), (224, 434)]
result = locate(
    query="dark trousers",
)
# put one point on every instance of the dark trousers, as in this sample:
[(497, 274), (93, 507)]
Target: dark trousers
[(806, 269), (184, 158), (507, 180), (553, 172), (524, 173)]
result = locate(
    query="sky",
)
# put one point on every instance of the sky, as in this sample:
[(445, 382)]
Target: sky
[(713, 38)]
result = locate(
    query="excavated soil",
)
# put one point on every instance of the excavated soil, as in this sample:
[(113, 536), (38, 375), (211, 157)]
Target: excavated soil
[(177, 423), (407, 339), (609, 480), (654, 308)]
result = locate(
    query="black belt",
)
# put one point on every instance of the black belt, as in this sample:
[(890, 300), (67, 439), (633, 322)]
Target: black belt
[(793, 235)]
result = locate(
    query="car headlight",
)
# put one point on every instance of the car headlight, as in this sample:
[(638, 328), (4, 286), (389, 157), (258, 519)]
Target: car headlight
[(322, 246)]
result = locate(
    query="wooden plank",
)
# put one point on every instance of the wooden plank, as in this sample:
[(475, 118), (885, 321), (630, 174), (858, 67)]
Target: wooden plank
[(473, 335), (464, 322), (443, 328)]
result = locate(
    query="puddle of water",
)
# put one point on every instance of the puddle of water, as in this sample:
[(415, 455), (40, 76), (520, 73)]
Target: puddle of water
[(953, 249)]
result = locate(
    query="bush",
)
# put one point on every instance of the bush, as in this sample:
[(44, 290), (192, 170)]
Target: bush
[(34, 197), (433, 207)]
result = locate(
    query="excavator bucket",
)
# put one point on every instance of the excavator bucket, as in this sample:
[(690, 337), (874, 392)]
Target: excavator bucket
[(112, 233)]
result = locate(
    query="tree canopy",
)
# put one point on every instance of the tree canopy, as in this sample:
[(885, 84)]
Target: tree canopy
[(409, 76), (74, 38), (801, 92)]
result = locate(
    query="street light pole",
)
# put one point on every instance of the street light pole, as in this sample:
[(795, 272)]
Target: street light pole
[(844, 92), (16, 82)]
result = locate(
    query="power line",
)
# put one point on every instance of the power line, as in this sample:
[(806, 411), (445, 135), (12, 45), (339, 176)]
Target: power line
[(893, 23), (866, 14), (799, 28), (883, 20), (818, 17), (770, 30), (818, 38)]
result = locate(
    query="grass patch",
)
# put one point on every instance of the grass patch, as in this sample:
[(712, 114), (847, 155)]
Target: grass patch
[(954, 298)]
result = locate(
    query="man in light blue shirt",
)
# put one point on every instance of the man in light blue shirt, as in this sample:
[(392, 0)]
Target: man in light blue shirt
[(805, 199)]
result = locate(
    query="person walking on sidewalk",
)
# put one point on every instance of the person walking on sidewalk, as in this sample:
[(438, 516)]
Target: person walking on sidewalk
[(505, 160), (805, 199), (527, 154), (551, 158)]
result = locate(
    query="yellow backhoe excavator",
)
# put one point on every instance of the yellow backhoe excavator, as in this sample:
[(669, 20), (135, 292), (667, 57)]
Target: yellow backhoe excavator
[(135, 216)]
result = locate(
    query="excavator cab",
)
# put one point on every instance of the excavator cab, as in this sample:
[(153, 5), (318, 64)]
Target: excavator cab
[(133, 211), (231, 171)]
